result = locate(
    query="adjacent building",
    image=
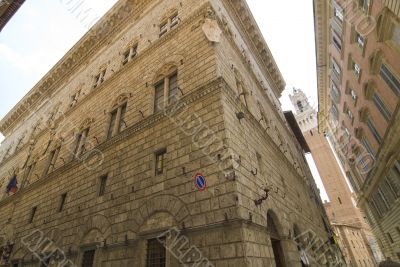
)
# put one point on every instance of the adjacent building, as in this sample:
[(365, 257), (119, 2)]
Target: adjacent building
[(158, 140), (355, 238), (358, 68), (7, 9)]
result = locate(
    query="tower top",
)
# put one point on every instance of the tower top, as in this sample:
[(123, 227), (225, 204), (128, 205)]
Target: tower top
[(306, 115)]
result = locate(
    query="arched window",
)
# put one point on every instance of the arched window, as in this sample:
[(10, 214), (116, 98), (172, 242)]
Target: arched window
[(116, 119), (165, 87), (81, 137)]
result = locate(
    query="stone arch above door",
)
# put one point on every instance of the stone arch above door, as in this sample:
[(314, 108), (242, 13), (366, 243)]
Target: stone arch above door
[(96, 228), (169, 207)]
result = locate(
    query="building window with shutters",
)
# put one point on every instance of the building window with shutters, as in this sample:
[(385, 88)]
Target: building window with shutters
[(165, 91), (156, 253), (88, 258)]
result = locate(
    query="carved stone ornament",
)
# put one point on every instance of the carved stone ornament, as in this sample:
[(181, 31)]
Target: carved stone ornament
[(212, 30)]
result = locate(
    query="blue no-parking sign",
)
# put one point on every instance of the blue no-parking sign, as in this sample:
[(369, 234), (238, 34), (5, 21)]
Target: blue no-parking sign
[(200, 182)]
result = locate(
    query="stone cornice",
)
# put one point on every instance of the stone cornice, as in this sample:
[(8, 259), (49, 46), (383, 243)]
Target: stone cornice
[(257, 44), (196, 94), (90, 43), (321, 21)]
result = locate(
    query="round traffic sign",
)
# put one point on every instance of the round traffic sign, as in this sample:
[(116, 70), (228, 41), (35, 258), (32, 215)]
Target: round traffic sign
[(200, 181)]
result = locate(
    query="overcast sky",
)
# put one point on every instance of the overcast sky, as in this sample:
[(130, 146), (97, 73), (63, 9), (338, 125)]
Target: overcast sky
[(42, 31)]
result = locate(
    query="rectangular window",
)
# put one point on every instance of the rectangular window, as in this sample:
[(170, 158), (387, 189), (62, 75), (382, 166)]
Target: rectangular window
[(337, 41), (160, 158), (384, 198), (159, 96), (103, 184), (122, 124), (52, 161), (372, 128), (364, 5), (368, 147), (360, 40), (129, 54), (335, 93), (356, 69), (174, 20), (353, 95), (88, 258), (99, 79), (381, 207), (375, 208), (156, 253), (33, 212), (390, 79), (80, 142), (126, 57), (173, 86), (62, 202), (350, 114), (334, 112), (382, 107), (163, 28), (336, 68), (112, 123), (338, 11)]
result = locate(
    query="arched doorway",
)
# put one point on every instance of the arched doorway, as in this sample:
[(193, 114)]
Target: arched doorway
[(275, 240)]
